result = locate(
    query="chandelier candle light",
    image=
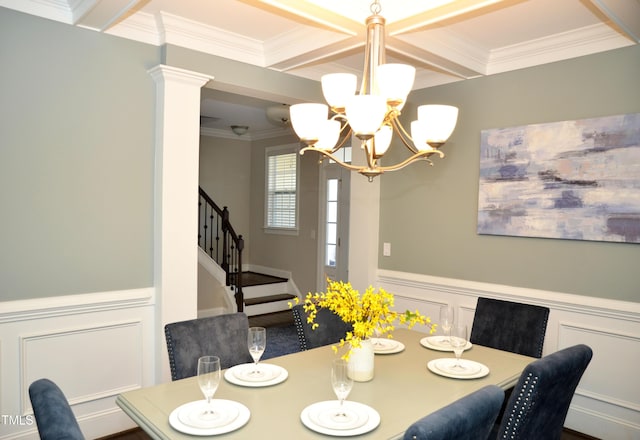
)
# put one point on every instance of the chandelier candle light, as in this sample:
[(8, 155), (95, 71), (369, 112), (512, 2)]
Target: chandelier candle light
[(372, 115)]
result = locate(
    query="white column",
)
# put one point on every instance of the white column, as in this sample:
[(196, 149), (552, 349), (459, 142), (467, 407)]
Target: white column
[(176, 201)]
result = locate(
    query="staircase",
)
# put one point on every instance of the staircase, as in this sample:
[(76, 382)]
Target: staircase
[(264, 298)]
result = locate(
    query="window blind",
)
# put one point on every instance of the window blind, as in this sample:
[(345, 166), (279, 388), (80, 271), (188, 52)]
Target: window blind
[(282, 190)]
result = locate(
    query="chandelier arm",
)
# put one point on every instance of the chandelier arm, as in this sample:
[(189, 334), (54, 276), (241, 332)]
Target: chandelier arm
[(403, 135), (332, 157), (342, 142), (422, 155), (368, 148)]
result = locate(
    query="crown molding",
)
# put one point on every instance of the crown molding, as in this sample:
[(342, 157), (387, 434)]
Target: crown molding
[(452, 47), (58, 10), (165, 28), (579, 42), (291, 44), (141, 27), (193, 35), (248, 137)]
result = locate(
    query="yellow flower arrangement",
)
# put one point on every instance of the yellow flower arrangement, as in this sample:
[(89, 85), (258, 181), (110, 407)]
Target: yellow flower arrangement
[(370, 313)]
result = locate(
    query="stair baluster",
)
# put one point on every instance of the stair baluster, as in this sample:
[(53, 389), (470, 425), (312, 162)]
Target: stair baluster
[(229, 255)]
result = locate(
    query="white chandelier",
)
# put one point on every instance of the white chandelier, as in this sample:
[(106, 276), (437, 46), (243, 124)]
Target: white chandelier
[(372, 115)]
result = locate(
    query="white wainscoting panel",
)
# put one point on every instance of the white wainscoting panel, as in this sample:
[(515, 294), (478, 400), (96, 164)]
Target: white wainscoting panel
[(94, 346), (606, 404)]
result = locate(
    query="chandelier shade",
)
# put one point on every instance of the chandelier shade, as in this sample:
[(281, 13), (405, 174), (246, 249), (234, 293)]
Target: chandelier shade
[(439, 122), (307, 120), (372, 114), (395, 81), (338, 88), (365, 114)]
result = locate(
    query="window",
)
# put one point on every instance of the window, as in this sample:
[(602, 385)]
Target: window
[(344, 154), (332, 223), (282, 189)]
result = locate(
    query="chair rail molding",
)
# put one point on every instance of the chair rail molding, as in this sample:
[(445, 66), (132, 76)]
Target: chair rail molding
[(72, 304), (604, 404)]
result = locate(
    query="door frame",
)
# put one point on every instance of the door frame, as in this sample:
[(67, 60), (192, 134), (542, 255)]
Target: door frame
[(333, 170)]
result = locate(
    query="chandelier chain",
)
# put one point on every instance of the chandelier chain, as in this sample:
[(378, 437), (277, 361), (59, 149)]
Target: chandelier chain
[(375, 7)]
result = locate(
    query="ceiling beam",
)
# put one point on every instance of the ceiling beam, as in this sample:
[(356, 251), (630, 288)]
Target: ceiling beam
[(430, 17), (625, 15), (422, 58), (309, 14), (322, 54)]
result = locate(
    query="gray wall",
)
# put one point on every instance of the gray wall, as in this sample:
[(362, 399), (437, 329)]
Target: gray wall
[(225, 174), (295, 253), (76, 160), (428, 214)]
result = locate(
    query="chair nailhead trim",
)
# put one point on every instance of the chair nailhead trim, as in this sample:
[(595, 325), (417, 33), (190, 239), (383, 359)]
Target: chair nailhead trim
[(522, 404)]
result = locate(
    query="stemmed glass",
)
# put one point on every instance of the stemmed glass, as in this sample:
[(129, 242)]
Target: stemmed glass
[(376, 338), (208, 380), (447, 316), (257, 342), (342, 385), (458, 341)]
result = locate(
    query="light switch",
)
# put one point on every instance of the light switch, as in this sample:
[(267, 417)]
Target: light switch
[(386, 249)]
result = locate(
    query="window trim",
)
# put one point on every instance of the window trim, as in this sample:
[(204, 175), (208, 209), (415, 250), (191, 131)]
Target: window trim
[(276, 151)]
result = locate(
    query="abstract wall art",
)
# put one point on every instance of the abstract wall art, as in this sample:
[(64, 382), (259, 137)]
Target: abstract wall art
[(577, 180)]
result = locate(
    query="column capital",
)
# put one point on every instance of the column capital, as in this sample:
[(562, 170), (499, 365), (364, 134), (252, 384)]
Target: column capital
[(162, 73)]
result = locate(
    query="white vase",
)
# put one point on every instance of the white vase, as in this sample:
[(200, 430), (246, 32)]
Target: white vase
[(361, 362)]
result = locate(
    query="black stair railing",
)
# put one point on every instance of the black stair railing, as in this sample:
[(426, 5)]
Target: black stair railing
[(217, 238)]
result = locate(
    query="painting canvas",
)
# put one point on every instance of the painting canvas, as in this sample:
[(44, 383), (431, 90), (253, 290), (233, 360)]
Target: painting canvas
[(576, 180)]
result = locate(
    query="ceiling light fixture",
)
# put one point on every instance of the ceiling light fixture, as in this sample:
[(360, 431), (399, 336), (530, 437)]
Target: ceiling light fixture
[(372, 115), (240, 129), (279, 114)]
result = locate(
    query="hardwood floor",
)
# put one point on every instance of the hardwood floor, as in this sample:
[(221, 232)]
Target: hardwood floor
[(138, 434), (132, 434)]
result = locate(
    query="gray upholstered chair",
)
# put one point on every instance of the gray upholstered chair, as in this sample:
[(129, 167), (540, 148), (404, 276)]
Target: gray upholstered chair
[(468, 418), (54, 417), (510, 326), (331, 328), (540, 400), (224, 336)]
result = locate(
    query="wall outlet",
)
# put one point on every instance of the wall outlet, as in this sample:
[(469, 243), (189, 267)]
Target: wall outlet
[(386, 249)]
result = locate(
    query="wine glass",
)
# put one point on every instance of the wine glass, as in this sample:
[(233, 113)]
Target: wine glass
[(257, 342), (342, 384), (458, 341), (377, 343), (208, 380), (447, 315)]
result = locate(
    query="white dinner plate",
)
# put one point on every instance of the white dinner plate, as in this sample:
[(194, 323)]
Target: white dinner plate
[(440, 343), (443, 367), (240, 375), (386, 346), (233, 415), (318, 418), (448, 365)]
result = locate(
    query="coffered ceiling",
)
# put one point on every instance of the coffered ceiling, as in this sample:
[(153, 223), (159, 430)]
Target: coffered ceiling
[(446, 40)]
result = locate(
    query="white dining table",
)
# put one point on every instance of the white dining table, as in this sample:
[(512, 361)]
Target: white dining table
[(402, 391)]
